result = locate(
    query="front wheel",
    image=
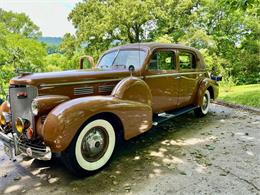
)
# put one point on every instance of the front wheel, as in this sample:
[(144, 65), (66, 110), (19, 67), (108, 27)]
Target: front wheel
[(91, 149), (204, 108)]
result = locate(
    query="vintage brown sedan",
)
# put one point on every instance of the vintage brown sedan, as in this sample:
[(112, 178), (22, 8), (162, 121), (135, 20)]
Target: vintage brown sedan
[(83, 114)]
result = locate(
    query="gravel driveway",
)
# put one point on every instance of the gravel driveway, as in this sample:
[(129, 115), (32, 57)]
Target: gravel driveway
[(217, 154)]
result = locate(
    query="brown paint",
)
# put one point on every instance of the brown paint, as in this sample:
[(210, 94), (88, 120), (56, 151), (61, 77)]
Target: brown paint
[(133, 99), (4, 107), (133, 89), (47, 102), (90, 60), (64, 121)]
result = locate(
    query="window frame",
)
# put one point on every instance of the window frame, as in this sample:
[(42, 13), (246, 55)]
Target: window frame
[(188, 52), (125, 49), (174, 59)]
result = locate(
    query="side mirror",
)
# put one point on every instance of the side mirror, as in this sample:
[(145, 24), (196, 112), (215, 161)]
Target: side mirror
[(90, 60)]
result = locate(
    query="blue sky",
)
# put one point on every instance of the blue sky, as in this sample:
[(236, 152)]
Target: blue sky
[(49, 15)]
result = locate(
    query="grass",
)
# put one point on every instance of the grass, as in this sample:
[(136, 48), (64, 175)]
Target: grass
[(248, 95)]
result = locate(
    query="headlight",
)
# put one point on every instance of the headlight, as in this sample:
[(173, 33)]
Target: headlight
[(2, 119), (22, 124), (35, 108), (5, 118)]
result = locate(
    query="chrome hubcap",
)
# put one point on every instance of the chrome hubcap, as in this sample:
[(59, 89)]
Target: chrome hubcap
[(94, 144), (205, 102)]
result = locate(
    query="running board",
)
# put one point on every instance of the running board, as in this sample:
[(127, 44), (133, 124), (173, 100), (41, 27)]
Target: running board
[(165, 116)]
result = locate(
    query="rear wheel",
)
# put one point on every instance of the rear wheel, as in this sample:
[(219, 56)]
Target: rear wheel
[(204, 108), (91, 149)]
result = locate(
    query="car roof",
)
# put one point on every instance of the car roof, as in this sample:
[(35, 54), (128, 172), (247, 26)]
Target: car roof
[(154, 45), (151, 46)]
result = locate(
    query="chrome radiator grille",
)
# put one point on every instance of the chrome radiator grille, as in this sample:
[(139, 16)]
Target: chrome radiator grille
[(20, 100)]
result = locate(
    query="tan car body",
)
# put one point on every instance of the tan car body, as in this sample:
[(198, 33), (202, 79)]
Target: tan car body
[(130, 98)]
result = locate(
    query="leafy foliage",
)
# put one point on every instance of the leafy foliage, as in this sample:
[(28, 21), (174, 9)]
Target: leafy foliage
[(226, 32), (18, 50), (19, 23)]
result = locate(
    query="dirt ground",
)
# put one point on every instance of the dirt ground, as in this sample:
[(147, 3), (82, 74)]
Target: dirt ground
[(217, 154)]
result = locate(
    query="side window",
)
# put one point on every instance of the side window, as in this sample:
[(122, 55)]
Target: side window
[(163, 60), (187, 60)]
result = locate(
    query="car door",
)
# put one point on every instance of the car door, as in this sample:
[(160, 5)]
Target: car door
[(161, 77), (187, 65)]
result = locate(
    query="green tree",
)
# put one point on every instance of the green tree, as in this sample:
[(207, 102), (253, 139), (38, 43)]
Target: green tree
[(102, 24), (19, 23), (69, 45), (19, 54), (18, 51)]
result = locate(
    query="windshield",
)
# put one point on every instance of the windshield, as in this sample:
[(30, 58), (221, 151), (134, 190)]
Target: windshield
[(122, 59)]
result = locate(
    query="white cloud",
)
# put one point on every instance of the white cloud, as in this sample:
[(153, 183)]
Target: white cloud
[(49, 15)]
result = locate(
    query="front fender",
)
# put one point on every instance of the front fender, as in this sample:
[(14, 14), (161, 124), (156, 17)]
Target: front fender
[(5, 107), (205, 84), (65, 120)]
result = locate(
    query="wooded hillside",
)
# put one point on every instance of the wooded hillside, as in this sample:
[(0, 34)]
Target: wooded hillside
[(226, 32)]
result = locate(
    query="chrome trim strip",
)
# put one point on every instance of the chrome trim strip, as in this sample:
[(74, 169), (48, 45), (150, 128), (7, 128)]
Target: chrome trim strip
[(84, 88), (118, 79), (79, 82), (17, 147), (173, 74)]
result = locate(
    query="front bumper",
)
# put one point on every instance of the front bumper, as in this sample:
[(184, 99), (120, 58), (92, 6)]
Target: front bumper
[(13, 147)]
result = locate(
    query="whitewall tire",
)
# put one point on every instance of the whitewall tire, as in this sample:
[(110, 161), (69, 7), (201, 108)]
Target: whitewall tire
[(91, 149), (204, 108), (92, 165)]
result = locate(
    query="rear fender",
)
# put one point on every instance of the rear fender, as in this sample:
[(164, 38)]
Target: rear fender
[(207, 83), (134, 89)]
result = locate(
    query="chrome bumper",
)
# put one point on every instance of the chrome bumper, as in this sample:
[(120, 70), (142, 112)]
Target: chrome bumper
[(15, 148)]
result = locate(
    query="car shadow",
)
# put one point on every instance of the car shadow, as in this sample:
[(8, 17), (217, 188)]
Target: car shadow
[(145, 156)]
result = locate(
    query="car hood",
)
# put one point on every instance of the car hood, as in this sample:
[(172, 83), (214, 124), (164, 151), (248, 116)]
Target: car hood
[(48, 78)]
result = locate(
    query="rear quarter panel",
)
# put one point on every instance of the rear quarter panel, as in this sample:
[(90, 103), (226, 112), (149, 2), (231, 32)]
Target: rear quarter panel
[(205, 84)]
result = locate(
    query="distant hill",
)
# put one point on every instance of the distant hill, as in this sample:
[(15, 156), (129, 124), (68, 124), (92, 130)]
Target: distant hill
[(51, 40)]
